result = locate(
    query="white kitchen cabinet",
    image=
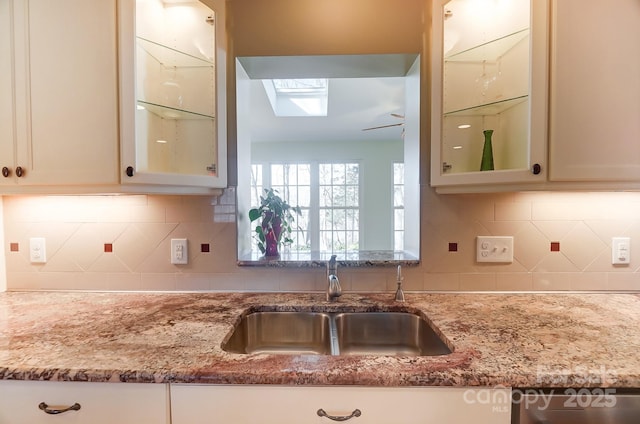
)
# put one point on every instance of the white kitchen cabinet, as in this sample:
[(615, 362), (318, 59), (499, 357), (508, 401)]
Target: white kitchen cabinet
[(173, 100), (490, 68), (193, 404), (6, 90), (61, 67), (99, 403), (66, 78), (594, 126)]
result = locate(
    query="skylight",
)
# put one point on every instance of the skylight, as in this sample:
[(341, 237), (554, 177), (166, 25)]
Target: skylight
[(298, 97)]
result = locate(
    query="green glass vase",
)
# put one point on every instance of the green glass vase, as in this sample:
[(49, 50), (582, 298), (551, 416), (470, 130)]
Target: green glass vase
[(487, 152)]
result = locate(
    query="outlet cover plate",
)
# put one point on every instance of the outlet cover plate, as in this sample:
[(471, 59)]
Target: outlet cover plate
[(497, 249), (179, 252)]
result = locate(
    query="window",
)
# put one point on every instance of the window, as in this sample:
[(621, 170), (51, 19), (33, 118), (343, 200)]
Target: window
[(398, 206), (339, 206), (328, 195), (293, 183), (298, 97)]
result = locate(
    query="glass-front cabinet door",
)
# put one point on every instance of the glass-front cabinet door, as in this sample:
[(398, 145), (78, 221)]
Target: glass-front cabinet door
[(173, 93), (489, 75)]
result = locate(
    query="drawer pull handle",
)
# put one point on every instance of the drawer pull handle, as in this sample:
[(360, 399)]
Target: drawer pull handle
[(355, 413), (54, 411)]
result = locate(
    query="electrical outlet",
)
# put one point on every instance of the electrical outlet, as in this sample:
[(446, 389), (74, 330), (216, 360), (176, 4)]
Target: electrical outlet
[(494, 249), (37, 250), (179, 253), (620, 250)]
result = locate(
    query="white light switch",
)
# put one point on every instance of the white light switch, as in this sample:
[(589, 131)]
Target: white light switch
[(494, 249), (620, 250), (179, 253), (37, 250)]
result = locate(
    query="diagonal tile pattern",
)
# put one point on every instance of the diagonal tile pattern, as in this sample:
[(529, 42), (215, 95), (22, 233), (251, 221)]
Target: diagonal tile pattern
[(140, 228)]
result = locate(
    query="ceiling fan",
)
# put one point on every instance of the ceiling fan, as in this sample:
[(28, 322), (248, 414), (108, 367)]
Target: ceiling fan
[(398, 124)]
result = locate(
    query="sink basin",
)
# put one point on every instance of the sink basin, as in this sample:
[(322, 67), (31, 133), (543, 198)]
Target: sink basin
[(281, 332), (387, 333), (336, 333)]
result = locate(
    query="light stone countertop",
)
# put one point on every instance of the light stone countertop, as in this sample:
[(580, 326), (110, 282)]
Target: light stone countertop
[(515, 340)]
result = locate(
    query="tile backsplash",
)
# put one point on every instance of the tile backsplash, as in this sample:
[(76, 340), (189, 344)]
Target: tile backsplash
[(562, 241)]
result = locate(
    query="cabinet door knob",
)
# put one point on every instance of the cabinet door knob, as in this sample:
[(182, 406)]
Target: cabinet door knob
[(130, 171), (54, 411), (6, 171), (536, 168), (19, 171), (355, 413)]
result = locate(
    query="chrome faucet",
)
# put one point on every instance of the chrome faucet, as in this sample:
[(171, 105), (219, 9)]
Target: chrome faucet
[(333, 290), (399, 293)]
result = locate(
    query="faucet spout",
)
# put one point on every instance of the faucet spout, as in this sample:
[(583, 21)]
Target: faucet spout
[(399, 293), (333, 289)]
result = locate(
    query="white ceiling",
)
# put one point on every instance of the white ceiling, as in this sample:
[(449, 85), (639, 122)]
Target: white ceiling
[(354, 102)]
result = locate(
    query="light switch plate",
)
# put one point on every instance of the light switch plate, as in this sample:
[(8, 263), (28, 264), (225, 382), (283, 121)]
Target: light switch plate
[(37, 250), (620, 250), (498, 249)]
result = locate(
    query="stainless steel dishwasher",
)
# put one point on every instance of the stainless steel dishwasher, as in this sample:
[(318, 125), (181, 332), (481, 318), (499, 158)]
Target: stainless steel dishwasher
[(576, 406)]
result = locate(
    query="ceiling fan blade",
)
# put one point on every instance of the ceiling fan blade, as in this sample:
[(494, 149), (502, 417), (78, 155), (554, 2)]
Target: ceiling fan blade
[(382, 126), (397, 115)]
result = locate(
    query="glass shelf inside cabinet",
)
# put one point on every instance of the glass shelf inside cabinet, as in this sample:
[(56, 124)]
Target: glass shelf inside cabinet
[(170, 57), (167, 112), (490, 51), (493, 108)]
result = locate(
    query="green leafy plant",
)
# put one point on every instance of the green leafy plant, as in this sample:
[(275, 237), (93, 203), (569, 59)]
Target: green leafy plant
[(276, 217)]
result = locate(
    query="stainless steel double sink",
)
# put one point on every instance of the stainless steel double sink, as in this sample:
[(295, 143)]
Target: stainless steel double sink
[(336, 333)]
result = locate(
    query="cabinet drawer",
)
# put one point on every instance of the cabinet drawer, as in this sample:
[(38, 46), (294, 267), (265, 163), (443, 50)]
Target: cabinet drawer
[(193, 404), (100, 403)]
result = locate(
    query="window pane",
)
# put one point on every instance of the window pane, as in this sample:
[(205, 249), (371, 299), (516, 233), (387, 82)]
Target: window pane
[(398, 242), (304, 196), (339, 219), (353, 173), (353, 219), (398, 173), (398, 219), (338, 173), (325, 197), (304, 174), (398, 195), (291, 174), (353, 240), (339, 196), (324, 169), (352, 198), (277, 175)]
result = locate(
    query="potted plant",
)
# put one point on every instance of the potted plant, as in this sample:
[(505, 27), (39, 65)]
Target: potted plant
[(275, 226)]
